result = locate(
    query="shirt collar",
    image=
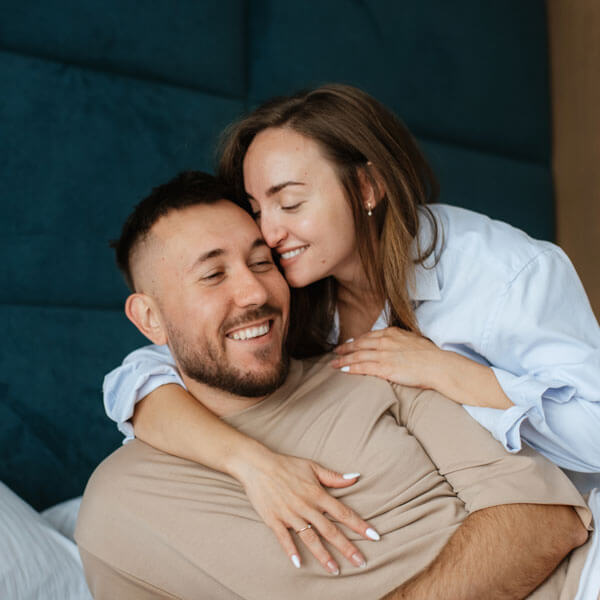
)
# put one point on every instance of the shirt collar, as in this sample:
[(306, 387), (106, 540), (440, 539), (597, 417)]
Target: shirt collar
[(426, 285)]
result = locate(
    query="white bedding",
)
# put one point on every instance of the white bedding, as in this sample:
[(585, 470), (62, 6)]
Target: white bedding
[(37, 562)]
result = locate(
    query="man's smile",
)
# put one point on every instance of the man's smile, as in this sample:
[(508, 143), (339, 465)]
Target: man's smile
[(249, 332)]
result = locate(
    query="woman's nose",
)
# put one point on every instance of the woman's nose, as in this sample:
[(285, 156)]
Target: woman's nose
[(272, 230)]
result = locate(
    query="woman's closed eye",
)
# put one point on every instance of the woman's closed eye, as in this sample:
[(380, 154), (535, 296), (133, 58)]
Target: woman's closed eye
[(286, 207), (291, 206)]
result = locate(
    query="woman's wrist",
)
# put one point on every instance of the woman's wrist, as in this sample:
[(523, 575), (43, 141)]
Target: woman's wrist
[(467, 382), (244, 457), (441, 372)]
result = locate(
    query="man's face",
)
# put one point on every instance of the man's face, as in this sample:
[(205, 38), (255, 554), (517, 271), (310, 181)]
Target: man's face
[(223, 303)]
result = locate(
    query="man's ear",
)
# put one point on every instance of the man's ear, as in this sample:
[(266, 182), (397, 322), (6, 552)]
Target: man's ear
[(143, 312), (371, 186)]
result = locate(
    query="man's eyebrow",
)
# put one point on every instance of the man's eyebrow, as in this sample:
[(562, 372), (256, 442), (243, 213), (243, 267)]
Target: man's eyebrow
[(207, 256), (257, 243), (277, 188)]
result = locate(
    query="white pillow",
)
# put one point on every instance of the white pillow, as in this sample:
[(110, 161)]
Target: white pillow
[(36, 561), (63, 516)]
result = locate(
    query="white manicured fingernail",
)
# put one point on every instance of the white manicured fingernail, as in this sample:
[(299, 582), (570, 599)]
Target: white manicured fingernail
[(295, 560), (372, 534), (333, 568), (350, 475), (349, 340), (359, 561), (345, 369)]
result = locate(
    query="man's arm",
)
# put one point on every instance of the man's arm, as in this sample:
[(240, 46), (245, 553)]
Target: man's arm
[(498, 553), (525, 516)]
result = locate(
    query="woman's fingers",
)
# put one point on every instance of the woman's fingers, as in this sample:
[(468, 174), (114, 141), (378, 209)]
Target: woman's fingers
[(346, 516), (398, 356), (338, 510), (287, 543), (383, 339), (313, 542), (324, 526), (287, 492), (333, 479), (330, 532), (361, 356), (376, 340), (373, 368), (363, 343)]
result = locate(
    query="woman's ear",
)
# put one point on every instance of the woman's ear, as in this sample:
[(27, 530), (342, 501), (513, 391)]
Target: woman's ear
[(371, 186), (143, 312)]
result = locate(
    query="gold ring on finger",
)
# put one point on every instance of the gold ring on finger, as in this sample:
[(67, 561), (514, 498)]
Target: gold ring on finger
[(309, 526)]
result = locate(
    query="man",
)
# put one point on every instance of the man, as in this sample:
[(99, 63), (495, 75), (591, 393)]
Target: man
[(459, 517)]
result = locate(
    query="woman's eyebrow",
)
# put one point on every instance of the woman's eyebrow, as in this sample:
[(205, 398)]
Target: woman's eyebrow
[(277, 188)]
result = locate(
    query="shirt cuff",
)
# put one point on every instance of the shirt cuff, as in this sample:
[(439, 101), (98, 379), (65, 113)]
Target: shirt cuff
[(527, 395), (120, 404)]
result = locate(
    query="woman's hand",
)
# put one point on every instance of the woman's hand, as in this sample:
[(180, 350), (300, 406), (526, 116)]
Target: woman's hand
[(410, 359), (287, 493), (393, 354)]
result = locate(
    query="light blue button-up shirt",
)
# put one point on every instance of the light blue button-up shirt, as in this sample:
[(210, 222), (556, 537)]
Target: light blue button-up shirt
[(498, 297)]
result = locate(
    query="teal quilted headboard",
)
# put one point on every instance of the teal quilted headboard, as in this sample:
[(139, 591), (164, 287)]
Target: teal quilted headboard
[(102, 100)]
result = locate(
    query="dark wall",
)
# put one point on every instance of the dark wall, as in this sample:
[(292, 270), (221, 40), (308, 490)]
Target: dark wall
[(102, 100)]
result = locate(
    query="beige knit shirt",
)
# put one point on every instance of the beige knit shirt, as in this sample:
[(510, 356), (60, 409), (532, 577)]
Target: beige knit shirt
[(153, 525)]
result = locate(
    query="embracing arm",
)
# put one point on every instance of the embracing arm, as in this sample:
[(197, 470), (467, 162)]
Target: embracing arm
[(409, 359), (524, 515), (498, 553), (285, 491), (543, 344), (170, 419)]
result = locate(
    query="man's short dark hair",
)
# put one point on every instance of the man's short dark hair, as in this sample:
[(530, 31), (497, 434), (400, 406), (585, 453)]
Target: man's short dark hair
[(187, 189)]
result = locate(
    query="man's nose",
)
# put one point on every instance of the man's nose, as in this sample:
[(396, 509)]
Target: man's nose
[(249, 289)]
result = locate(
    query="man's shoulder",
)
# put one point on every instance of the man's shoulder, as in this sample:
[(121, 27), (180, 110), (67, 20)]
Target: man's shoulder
[(134, 467), (129, 457), (327, 388), (109, 481), (318, 373)]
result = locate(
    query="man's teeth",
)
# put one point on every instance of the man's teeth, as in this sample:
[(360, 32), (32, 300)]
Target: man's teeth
[(292, 253), (251, 332)]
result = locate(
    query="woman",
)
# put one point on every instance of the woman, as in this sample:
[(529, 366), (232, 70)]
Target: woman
[(426, 295)]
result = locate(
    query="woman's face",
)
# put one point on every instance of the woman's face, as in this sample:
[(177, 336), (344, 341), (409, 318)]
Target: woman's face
[(301, 207)]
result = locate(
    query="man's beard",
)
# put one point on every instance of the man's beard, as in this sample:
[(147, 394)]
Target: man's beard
[(210, 366)]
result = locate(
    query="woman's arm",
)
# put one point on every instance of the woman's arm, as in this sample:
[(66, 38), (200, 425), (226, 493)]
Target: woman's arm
[(543, 343), (410, 359), (284, 490), (544, 346), (141, 372)]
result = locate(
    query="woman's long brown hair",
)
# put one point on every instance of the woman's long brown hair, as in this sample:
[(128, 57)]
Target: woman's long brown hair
[(361, 138)]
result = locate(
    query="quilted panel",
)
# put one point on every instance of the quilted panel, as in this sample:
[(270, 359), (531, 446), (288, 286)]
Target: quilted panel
[(53, 430), (468, 72), (190, 43), (80, 149), (105, 99), (516, 191)]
